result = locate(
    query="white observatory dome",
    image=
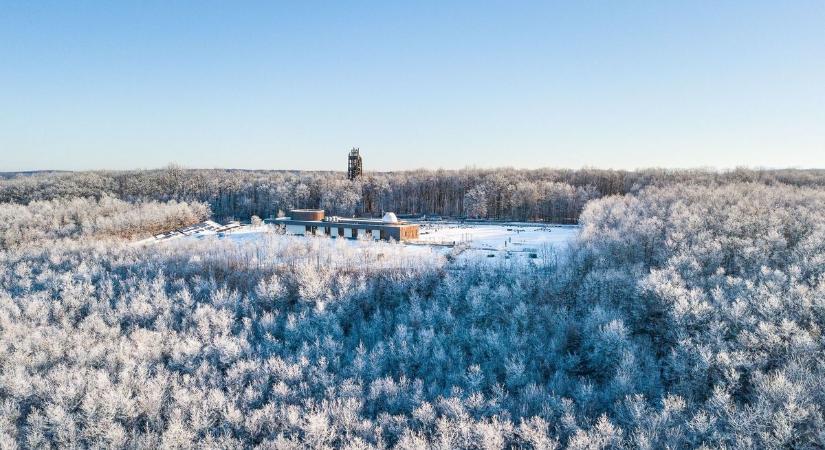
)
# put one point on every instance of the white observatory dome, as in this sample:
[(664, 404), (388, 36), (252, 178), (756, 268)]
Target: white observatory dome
[(389, 218)]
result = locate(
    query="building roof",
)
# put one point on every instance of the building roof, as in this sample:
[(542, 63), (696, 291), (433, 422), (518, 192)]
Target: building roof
[(347, 223)]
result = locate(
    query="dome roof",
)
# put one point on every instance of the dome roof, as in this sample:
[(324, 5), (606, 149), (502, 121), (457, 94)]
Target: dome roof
[(389, 218)]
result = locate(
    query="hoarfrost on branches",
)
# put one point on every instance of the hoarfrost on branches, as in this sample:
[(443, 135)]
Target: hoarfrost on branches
[(684, 316)]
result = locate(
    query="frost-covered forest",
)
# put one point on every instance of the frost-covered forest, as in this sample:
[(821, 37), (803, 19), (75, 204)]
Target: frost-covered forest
[(688, 313), (554, 195), (103, 217)]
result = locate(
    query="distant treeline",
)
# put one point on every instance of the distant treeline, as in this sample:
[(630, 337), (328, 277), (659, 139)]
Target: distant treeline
[(553, 195)]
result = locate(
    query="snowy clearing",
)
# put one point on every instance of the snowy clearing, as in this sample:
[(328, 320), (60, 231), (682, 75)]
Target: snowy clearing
[(497, 236), (459, 242), (496, 242)]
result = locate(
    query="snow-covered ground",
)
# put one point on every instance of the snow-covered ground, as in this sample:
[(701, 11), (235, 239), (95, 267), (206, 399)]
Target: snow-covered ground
[(497, 236), (460, 242), (496, 242)]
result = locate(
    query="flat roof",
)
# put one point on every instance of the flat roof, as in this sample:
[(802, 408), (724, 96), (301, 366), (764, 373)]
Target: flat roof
[(366, 224)]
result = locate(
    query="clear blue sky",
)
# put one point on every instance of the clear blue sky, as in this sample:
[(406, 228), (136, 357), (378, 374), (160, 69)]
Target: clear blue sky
[(613, 84)]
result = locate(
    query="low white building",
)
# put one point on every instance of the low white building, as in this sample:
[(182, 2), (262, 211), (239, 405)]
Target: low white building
[(313, 222)]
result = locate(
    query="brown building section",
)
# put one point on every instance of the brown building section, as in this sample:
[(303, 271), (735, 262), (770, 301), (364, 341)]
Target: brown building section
[(406, 232), (307, 214)]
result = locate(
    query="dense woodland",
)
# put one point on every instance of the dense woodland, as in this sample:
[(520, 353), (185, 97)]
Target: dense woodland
[(104, 217), (554, 195), (685, 315)]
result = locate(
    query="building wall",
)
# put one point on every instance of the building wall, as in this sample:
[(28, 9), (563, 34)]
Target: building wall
[(409, 232), (401, 232), (296, 229), (307, 214)]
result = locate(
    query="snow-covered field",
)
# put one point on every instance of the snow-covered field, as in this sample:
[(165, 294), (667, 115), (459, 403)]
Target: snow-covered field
[(497, 236), (497, 242), (491, 243)]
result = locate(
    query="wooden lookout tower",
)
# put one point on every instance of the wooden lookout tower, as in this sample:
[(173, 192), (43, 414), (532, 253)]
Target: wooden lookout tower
[(354, 168)]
